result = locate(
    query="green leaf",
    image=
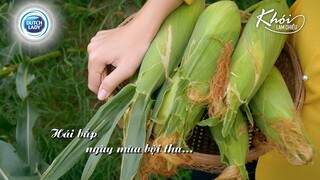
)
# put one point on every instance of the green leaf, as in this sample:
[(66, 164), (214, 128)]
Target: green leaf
[(136, 136), (26, 146), (211, 122), (100, 123), (23, 79), (94, 159), (155, 120), (12, 167), (160, 98), (246, 109), (7, 53)]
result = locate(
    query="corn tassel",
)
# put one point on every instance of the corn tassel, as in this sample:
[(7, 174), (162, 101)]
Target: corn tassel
[(233, 152), (274, 113), (253, 58)]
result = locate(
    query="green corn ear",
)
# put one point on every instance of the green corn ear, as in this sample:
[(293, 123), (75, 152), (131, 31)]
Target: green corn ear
[(274, 113), (253, 58), (164, 103), (233, 152), (197, 68), (166, 50)]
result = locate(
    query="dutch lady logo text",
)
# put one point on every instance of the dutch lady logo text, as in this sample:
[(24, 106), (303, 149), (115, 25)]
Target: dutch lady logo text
[(34, 24)]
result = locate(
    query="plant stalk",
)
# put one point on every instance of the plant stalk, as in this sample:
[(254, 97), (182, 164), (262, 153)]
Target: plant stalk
[(55, 54)]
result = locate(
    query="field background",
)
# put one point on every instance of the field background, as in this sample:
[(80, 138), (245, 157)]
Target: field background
[(59, 92)]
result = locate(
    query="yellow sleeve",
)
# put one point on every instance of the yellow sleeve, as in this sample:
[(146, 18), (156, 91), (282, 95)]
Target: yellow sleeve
[(188, 1), (307, 44)]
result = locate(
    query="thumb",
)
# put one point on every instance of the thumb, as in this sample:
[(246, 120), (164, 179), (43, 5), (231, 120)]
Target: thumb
[(110, 82)]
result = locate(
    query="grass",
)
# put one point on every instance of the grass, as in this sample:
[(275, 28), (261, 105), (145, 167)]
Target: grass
[(59, 90)]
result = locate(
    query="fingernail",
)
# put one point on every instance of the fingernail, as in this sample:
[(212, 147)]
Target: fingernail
[(103, 94)]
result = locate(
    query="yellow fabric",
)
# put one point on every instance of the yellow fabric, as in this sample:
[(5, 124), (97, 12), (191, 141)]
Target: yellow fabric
[(272, 166), (188, 1)]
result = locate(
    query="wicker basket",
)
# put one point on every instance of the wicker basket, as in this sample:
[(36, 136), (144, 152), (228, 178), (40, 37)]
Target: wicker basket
[(205, 157)]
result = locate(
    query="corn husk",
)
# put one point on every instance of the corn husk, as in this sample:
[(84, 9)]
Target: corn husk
[(233, 152), (274, 113)]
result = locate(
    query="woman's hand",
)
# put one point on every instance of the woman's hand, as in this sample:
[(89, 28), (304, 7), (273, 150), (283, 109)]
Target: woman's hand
[(124, 47)]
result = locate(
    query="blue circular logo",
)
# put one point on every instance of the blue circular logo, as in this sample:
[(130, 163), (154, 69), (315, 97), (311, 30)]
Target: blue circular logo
[(34, 24)]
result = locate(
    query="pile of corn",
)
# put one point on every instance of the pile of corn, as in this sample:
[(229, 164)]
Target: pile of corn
[(199, 65)]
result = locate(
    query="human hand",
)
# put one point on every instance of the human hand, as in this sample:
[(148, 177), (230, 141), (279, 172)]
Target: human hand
[(123, 48)]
